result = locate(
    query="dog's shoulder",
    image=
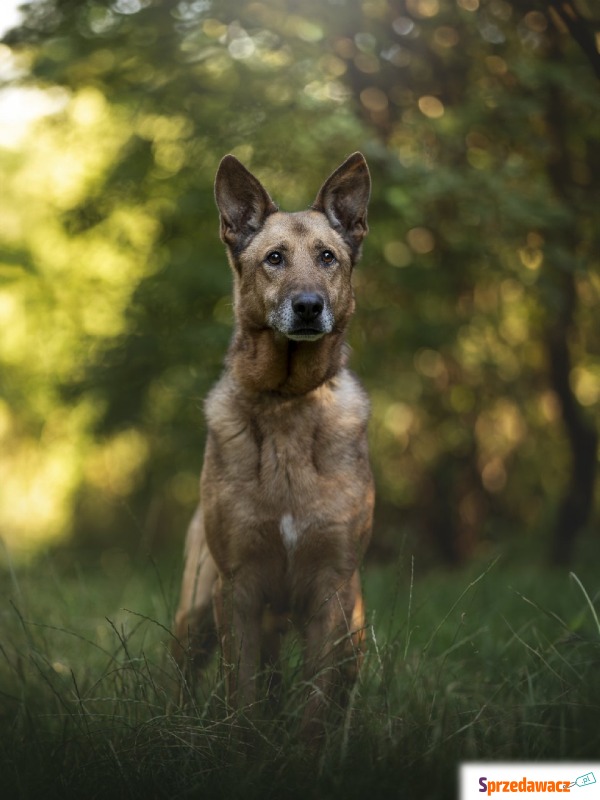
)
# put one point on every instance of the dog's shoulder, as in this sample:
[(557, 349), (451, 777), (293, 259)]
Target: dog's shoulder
[(348, 394), (222, 404)]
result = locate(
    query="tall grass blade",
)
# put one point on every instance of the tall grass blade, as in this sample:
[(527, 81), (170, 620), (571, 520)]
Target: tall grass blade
[(588, 600), (410, 598), (466, 591)]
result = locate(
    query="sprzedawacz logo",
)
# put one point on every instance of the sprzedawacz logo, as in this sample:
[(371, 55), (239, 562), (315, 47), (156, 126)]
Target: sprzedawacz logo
[(533, 780), (525, 785)]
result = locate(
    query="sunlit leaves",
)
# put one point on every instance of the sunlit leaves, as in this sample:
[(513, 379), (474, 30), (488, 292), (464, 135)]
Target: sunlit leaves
[(69, 293), (114, 292)]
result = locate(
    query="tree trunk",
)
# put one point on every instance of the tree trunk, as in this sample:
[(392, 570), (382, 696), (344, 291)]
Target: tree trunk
[(576, 504)]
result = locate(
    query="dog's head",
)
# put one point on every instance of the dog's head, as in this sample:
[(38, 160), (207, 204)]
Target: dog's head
[(293, 270)]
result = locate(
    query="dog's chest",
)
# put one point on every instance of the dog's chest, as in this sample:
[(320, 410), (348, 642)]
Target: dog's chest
[(287, 468), (291, 531), (290, 447)]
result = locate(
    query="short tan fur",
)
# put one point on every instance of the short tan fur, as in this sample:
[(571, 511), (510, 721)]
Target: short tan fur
[(286, 488)]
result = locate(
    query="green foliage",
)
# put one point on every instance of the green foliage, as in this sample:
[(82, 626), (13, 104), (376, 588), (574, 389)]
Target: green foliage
[(114, 293), (489, 664)]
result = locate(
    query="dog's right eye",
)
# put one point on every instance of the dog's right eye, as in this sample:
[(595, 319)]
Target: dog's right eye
[(275, 258)]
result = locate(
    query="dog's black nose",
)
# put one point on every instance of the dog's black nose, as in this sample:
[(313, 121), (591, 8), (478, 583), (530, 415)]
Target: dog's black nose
[(308, 306)]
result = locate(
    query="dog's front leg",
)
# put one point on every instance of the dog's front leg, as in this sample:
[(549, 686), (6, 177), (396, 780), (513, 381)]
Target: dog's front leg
[(333, 649), (238, 618)]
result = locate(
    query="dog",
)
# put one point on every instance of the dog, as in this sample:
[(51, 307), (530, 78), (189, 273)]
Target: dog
[(287, 492)]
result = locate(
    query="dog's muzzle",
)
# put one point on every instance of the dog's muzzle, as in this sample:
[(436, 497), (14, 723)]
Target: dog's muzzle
[(303, 317)]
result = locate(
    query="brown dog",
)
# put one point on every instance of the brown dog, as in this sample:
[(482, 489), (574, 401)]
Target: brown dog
[(287, 492)]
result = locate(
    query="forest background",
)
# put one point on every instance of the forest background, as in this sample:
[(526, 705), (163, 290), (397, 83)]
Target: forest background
[(476, 334), (476, 330)]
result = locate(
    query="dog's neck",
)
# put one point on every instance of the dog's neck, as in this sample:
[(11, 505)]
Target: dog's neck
[(265, 361)]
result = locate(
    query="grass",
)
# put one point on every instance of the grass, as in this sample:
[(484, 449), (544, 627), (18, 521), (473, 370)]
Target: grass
[(491, 663)]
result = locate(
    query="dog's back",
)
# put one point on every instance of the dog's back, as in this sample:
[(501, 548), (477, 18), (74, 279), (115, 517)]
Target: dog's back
[(286, 487)]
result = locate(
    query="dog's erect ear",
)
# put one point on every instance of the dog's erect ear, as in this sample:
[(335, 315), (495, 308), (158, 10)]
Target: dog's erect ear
[(242, 201), (344, 197)]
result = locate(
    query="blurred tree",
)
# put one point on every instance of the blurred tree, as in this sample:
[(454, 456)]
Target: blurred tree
[(475, 326), (493, 77), (577, 502)]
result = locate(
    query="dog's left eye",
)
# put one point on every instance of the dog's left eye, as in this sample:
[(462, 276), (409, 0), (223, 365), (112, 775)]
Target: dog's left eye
[(275, 258), (327, 257)]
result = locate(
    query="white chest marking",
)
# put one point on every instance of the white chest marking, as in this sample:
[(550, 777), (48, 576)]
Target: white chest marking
[(290, 532)]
